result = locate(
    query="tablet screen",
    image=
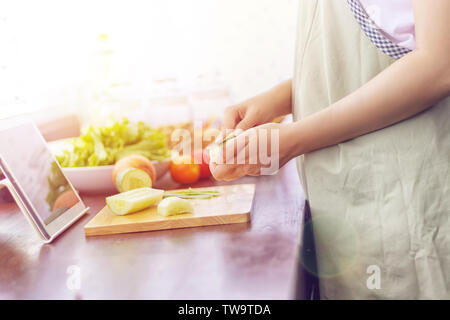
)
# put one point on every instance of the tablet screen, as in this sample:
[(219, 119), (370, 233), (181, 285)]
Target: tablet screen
[(36, 172)]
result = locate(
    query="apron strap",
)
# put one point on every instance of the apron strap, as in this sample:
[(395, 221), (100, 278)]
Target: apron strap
[(374, 34)]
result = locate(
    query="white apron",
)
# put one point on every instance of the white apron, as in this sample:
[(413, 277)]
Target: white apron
[(380, 203)]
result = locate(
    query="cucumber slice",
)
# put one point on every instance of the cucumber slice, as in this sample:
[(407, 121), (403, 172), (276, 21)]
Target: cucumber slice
[(173, 205), (134, 200), (214, 151), (215, 148), (132, 178)]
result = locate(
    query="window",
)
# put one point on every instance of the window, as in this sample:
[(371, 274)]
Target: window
[(69, 56)]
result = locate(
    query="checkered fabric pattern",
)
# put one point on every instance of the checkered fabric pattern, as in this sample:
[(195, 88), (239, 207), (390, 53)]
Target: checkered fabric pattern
[(374, 34)]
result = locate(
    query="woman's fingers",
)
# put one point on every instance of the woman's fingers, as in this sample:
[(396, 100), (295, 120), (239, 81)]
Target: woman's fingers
[(219, 138), (254, 170), (246, 123), (253, 152), (232, 151), (232, 146), (226, 172), (230, 118), (223, 172), (239, 117), (217, 172), (235, 158)]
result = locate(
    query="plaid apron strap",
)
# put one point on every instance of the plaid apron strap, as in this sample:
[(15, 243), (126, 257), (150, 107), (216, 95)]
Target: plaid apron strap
[(373, 33)]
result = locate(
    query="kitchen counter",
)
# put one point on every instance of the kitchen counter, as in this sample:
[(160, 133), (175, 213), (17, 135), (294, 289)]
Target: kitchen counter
[(257, 260)]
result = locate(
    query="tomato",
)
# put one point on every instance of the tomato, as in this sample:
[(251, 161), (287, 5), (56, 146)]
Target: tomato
[(203, 156), (184, 170)]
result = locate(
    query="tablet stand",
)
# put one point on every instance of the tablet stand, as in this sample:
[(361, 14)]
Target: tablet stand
[(5, 183)]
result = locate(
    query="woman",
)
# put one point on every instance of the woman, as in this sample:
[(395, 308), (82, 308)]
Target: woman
[(371, 107)]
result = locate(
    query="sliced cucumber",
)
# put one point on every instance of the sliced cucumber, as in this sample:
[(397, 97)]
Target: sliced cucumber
[(173, 205), (134, 200), (132, 178)]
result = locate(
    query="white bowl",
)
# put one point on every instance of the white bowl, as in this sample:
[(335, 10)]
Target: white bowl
[(99, 179)]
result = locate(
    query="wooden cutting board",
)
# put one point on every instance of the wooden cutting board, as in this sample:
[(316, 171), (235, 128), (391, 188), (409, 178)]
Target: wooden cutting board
[(232, 206)]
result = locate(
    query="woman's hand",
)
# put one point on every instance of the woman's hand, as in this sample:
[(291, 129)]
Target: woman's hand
[(260, 109), (258, 151)]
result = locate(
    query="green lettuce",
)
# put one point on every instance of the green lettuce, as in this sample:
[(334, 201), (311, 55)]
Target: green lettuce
[(101, 146)]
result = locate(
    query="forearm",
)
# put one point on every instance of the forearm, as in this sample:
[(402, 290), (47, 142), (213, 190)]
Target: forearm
[(404, 89), (281, 96)]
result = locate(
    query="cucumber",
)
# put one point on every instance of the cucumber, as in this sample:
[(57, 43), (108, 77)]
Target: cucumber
[(134, 200), (131, 178), (173, 205)]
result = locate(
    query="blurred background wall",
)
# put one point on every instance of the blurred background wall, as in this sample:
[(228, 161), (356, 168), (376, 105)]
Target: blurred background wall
[(92, 56)]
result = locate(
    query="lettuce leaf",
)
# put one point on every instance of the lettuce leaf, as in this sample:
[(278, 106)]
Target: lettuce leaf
[(100, 146)]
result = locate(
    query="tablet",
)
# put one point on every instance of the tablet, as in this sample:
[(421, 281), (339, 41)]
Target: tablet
[(36, 180)]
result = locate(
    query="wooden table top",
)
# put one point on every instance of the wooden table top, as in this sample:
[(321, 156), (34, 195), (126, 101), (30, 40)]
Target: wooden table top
[(256, 260)]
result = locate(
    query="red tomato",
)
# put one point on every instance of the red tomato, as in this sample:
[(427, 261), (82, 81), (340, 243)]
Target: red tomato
[(203, 156), (184, 170)]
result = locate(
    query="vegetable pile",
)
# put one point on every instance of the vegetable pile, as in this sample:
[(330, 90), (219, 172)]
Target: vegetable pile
[(100, 146)]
